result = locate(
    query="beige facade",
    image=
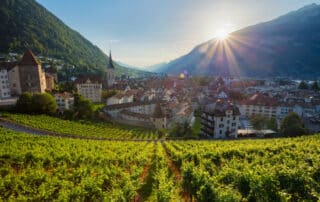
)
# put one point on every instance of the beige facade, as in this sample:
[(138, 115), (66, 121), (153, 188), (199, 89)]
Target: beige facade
[(90, 90), (49, 81), (14, 81), (266, 111)]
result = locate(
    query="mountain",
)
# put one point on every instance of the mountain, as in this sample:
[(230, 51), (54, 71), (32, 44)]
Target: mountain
[(27, 24), (157, 67), (286, 46)]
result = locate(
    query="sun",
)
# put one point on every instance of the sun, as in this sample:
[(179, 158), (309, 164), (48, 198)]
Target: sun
[(222, 34)]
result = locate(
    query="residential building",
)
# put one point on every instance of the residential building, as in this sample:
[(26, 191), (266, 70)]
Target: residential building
[(64, 101), (90, 88), (259, 104), (220, 120)]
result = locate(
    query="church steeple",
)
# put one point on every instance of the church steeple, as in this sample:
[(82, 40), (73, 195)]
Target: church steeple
[(110, 66)]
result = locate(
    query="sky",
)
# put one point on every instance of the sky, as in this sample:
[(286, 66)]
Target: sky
[(146, 32)]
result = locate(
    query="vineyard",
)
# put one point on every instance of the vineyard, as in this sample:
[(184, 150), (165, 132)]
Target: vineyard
[(41, 168), (85, 129)]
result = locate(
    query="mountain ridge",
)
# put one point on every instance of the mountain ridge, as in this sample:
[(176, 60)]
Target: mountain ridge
[(26, 24), (285, 46)]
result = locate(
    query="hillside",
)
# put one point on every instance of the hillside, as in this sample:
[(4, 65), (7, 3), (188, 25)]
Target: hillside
[(286, 46), (27, 24)]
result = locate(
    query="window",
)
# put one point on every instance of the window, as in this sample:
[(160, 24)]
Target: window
[(220, 132), (234, 118), (221, 119)]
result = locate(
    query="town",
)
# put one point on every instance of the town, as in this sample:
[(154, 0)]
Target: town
[(218, 107)]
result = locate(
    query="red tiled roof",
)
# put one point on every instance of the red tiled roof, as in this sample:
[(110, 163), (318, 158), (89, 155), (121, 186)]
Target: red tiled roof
[(64, 95), (29, 59), (261, 100)]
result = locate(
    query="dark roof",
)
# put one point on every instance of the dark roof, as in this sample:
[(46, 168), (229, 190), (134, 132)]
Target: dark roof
[(51, 70), (126, 105), (110, 65), (29, 59), (134, 114), (8, 65), (84, 78), (157, 111), (220, 107)]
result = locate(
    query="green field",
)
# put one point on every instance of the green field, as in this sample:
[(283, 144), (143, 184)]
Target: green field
[(44, 168), (84, 129)]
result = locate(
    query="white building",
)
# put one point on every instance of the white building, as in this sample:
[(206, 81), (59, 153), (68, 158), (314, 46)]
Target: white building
[(4, 84), (220, 120), (120, 98), (90, 88), (259, 104), (64, 101)]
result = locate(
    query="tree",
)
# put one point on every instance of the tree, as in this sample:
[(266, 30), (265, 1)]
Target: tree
[(272, 124), (258, 122), (107, 94), (24, 103), (303, 85), (315, 86), (181, 130), (292, 126), (44, 104), (83, 108)]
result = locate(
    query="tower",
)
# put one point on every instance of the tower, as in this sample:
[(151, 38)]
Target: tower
[(110, 72), (32, 78), (158, 118)]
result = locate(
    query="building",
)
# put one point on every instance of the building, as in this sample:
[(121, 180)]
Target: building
[(145, 114), (110, 74), (50, 81), (64, 101), (260, 104), (14, 80), (32, 78), (120, 98), (90, 88), (159, 119), (220, 120), (4, 83)]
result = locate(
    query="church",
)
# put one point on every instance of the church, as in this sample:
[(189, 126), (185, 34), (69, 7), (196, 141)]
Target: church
[(109, 77)]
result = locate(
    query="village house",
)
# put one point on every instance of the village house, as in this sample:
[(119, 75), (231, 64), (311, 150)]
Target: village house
[(220, 120), (64, 101)]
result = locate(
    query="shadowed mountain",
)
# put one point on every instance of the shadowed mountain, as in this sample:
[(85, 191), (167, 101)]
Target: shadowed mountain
[(27, 24), (286, 46)]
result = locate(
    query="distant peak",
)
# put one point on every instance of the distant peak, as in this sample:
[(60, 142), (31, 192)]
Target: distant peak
[(309, 6)]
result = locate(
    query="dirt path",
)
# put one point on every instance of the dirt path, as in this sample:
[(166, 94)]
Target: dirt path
[(145, 178), (177, 173)]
